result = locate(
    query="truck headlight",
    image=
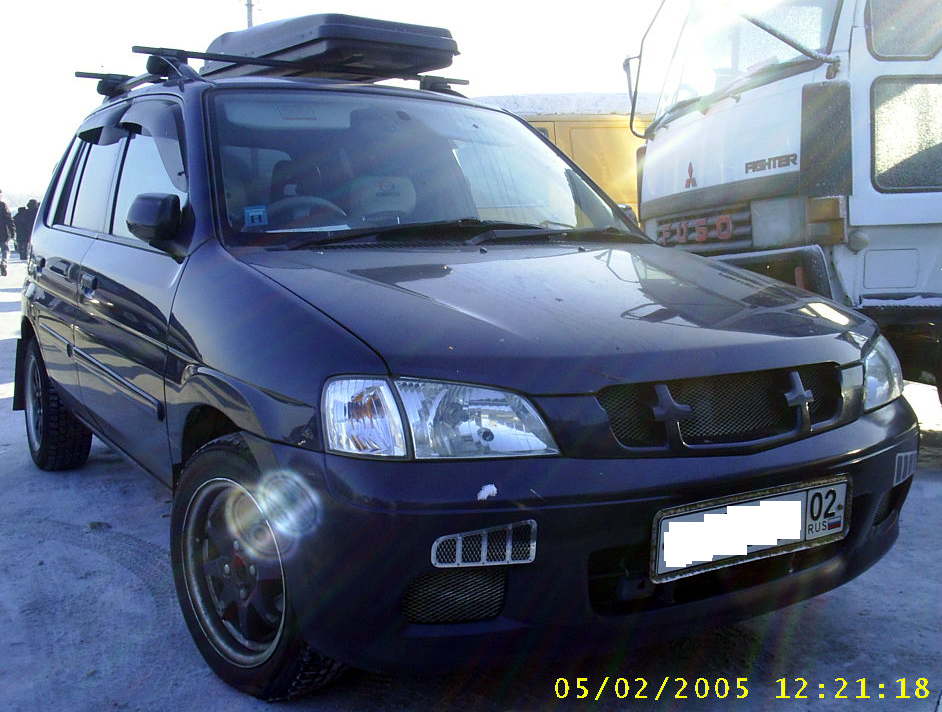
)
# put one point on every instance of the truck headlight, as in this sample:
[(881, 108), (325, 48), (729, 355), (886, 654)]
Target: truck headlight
[(458, 420), (883, 375), (446, 420)]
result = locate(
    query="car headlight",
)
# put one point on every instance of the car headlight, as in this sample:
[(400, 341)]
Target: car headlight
[(457, 420), (445, 420), (883, 375), (361, 418)]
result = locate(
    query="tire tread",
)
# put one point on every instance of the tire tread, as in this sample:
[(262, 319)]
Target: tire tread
[(66, 441), (301, 670)]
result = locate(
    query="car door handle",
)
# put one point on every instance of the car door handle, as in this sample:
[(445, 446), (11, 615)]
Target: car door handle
[(89, 283)]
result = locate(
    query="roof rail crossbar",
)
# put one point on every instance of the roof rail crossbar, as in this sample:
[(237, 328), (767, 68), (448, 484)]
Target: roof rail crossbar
[(165, 65), (183, 55), (372, 74), (162, 64), (112, 85), (442, 85)]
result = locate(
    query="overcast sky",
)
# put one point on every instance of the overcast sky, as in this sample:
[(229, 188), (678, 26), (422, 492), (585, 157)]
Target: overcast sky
[(507, 47)]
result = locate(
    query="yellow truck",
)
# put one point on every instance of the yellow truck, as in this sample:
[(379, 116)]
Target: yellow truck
[(593, 130)]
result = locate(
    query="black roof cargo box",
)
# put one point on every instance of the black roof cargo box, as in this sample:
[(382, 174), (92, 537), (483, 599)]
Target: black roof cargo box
[(334, 45)]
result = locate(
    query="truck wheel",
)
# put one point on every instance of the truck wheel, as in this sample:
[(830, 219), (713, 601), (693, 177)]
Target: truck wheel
[(230, 579), (56, 438)]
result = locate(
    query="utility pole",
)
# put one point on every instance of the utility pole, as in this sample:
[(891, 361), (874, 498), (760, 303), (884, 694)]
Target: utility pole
[(248, 13)]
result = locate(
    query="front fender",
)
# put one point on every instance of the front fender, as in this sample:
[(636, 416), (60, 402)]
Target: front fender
[(272, 416)]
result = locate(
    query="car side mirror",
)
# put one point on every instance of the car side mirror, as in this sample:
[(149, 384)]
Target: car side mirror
[(155, 218)]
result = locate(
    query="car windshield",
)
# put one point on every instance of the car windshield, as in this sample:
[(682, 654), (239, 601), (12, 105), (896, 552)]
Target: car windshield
[(718, 48), (333, 162)]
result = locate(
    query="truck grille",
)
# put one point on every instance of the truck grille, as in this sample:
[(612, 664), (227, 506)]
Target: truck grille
[(744, 408), (724, 229)]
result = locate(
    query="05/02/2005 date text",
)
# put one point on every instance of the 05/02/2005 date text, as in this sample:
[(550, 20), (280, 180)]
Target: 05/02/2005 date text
[(680, 688)]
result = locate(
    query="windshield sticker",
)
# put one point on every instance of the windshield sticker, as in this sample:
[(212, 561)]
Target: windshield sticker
[(256, 215), (767, 164)]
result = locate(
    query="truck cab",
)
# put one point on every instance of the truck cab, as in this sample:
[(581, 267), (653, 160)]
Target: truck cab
[(802, 140)]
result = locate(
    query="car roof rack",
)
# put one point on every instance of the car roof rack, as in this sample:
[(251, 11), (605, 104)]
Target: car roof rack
[(159, 68), (333, 45), (326, 45)]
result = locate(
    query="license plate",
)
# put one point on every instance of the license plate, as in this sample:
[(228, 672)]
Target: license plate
[(723, 532)]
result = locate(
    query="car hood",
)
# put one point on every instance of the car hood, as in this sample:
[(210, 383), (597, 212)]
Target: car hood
[(564, 319)]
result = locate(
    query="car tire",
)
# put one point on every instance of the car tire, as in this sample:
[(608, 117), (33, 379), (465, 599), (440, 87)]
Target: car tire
[(57, 439), (230, 579)]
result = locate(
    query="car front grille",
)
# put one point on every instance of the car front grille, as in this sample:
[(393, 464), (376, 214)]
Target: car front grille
[(758, 407)]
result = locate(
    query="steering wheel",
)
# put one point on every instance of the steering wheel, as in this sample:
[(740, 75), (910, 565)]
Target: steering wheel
[(298, 207)]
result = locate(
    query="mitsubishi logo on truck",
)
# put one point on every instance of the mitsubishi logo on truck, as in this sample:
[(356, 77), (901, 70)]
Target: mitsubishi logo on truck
[(691, 181)]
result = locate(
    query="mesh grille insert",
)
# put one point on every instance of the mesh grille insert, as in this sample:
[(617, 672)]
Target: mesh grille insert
[(456, 596), (742, 406), (823, 380), (629, 410), (727, 409), (507, 544)]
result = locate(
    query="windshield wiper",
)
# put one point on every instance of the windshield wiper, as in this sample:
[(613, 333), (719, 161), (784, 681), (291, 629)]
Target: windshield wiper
[(481, 231), (585, 234), (760, 74), (669, 113), (442, 229)]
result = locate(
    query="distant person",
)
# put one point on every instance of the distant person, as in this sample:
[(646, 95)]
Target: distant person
[(24, 219), (7, 232)]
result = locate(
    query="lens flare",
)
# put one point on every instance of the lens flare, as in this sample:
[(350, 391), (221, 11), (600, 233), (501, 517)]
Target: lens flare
[(290, 504)]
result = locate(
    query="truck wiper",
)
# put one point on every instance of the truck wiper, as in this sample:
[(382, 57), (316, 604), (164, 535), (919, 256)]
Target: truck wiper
[(758, 75), (669, 113)]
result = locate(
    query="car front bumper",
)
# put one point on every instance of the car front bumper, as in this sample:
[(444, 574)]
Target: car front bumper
[(366, 592)]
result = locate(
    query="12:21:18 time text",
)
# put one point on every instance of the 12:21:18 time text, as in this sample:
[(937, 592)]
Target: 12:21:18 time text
[(843, 690)]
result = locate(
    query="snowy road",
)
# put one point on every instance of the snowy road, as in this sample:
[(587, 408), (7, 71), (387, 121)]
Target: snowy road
[(89, 620)]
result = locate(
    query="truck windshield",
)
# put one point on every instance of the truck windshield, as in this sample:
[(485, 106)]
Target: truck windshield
[(718, 48), (333, 163)]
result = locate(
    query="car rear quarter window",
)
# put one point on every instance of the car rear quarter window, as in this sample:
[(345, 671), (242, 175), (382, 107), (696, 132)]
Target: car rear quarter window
[(63, 193), (94, 187)]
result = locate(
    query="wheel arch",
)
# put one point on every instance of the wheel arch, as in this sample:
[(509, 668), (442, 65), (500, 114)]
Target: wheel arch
[(26, 335), (210, 404), (203, 424)]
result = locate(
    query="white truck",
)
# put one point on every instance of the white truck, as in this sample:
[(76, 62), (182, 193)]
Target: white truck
[(803, 139)]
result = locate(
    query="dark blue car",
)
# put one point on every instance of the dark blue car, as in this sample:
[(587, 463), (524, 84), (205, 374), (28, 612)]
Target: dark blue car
[(424, 396)]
